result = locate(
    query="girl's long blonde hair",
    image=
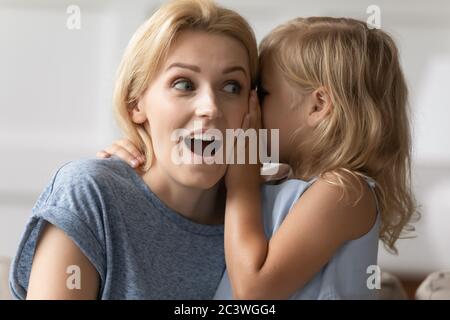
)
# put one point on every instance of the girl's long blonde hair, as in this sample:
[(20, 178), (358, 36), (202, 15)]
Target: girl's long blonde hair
[(148, 49), (368, 132)]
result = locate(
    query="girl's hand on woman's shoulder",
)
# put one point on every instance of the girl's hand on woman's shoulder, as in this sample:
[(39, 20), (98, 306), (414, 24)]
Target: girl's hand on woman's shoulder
[(125, 150)]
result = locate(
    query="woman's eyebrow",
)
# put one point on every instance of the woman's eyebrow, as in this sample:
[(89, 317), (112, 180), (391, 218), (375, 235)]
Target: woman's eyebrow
[(197, 69), (185, 66), (235, 68)]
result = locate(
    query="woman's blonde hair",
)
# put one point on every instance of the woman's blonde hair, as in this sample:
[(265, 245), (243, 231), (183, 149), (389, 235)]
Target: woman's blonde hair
[(367, 133), (149, 47)]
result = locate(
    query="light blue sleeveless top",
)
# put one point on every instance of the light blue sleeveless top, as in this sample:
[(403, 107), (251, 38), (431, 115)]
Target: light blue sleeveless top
[(345, 275)]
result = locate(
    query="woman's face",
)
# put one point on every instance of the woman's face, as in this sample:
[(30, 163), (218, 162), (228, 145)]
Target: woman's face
[(205, 80)]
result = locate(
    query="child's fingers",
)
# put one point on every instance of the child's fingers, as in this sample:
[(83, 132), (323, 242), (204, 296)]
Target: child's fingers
[(258, 111), (103, 154), (123, 154), (281, 171), (246, 122), (254, 111), (131, 148)]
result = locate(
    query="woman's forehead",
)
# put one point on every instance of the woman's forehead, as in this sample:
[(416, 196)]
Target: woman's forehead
[(202, 48)]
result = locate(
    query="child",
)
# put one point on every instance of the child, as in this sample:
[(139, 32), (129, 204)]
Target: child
[(336, 92)]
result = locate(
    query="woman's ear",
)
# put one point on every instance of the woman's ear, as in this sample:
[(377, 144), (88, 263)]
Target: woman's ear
[(320, 107), (137, 113)]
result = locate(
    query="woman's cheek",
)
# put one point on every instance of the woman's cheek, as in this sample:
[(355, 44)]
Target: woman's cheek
[(233, 118)]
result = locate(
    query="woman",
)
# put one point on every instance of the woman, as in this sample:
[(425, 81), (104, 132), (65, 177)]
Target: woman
[(101, 230)]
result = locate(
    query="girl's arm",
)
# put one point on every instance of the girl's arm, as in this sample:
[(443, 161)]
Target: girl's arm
[(49, 280), (317, 225)]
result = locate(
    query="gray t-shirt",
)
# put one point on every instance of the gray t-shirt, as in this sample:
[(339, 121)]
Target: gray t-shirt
[(141, 248)]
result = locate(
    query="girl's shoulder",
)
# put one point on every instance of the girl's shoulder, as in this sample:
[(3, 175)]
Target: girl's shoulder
[(342, 197)]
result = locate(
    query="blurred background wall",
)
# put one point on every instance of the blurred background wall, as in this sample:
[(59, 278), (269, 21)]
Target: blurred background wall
[(56, 85)]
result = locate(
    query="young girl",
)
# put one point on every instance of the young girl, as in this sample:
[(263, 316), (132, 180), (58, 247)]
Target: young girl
[(336, 92)]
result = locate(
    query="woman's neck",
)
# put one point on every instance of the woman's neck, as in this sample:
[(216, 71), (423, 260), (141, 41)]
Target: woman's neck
[(199, 205)]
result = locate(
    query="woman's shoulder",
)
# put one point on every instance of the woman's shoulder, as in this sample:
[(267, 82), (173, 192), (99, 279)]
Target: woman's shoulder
[(87, 181), (87, 172), (91, 167)]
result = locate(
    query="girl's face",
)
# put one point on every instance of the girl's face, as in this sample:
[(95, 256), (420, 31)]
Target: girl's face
[(283, 108), (205, 79)]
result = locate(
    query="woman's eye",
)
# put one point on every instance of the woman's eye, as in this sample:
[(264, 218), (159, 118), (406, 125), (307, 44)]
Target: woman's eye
[(184, 85), (232, 88)]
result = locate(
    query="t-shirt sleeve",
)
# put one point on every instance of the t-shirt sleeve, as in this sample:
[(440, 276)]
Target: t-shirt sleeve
[(74, 202)]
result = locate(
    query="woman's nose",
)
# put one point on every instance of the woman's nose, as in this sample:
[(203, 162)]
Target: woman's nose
[(207, 105)]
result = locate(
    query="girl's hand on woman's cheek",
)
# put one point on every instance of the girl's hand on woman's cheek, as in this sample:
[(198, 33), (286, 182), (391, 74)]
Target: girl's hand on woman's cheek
[(255, 112), (125, 150), (242, 174)]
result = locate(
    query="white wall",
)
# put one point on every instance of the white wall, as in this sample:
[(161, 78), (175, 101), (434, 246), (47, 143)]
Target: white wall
[(56, 86)]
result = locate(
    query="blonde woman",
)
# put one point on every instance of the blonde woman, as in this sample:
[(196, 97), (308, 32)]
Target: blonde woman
[(336, 92), (100, 230)]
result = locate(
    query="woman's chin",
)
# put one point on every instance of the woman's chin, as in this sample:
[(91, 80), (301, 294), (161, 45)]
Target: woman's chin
[(202, 176)]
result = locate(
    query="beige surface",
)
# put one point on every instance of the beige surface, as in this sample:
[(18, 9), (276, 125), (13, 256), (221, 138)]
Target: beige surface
[(435, 287), (391, 288), (4, 271)]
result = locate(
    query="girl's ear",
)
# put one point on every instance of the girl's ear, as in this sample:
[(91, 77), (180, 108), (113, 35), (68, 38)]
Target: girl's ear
[(321, 106), (138, 114)]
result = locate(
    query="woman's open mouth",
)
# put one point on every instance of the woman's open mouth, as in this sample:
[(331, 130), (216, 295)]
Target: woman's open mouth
[(203, 145)]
